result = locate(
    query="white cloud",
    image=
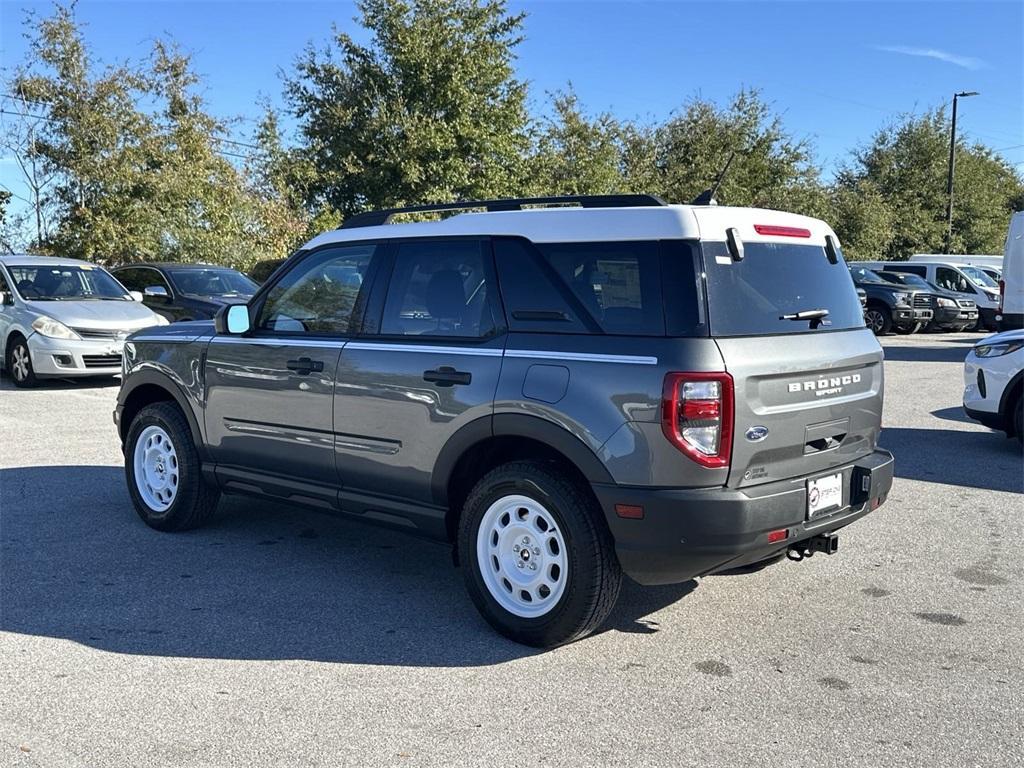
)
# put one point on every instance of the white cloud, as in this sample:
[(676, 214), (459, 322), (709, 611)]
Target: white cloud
[(967, 62)]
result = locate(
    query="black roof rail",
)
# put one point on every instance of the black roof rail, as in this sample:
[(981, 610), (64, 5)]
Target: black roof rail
[(383, 216)]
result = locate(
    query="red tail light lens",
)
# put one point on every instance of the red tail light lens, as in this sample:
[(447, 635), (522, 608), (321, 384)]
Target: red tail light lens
[(697, 416), (1002, 294)]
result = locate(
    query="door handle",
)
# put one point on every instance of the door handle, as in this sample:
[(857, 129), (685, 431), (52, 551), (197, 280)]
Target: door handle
[(304, 365), (446, 376)]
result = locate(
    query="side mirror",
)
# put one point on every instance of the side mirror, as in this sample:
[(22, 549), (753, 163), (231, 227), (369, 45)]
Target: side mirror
[(156, 292), (232, 319), (6, 299), (136, 295)]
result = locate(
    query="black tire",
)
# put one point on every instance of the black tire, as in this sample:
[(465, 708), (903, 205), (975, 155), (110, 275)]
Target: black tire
[(196, 500), (879, 319), (594, 575), (23, 375)]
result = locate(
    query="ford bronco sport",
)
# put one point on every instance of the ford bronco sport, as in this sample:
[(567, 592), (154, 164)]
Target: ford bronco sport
[(566, 394)]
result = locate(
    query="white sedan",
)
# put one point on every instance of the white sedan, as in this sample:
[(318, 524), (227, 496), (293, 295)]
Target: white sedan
[(994, 383)]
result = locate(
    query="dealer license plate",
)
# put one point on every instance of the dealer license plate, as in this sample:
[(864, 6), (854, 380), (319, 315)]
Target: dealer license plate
[(824, 494)]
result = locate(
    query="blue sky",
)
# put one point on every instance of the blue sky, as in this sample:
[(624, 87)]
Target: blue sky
[(836, 71)]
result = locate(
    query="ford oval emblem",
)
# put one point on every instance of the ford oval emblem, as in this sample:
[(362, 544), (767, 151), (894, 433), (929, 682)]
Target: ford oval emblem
[(756, 434)]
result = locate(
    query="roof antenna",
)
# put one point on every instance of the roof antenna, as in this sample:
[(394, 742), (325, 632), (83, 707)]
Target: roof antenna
[(707, 197)]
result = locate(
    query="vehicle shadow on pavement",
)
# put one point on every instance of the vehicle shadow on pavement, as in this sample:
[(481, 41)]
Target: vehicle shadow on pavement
[(85, 382), (262, 581), (972, 459), (926, 354)]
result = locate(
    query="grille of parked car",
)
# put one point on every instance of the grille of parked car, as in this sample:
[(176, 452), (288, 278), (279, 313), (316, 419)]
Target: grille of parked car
[(101, 361), (922, 301), (968, 303), (110, 334)]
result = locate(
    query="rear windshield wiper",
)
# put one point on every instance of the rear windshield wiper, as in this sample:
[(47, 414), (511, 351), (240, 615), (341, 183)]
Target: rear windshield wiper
[(806, 314)]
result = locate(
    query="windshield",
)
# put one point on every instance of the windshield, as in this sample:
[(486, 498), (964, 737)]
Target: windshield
[(779, 288), (978, 277), (862, 275), (212, 282), (67, 282), (905, 279)]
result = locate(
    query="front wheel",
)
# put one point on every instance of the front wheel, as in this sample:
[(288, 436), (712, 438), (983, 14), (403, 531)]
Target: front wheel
[(19, 364), (1018, 418), (163, 471), (539, 562), (879, 320)]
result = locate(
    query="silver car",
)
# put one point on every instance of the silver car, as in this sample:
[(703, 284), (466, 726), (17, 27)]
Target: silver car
[(64, 317)]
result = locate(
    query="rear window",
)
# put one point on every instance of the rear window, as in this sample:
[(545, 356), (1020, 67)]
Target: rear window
[(753, 297)]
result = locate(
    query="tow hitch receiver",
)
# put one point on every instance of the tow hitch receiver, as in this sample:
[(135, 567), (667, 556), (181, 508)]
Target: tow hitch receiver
[(825, 542)]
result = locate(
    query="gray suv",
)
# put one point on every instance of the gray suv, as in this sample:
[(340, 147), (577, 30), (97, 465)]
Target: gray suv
[(565, 394)]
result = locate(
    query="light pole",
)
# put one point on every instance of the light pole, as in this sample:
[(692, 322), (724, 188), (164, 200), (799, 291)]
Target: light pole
[(952, 166)]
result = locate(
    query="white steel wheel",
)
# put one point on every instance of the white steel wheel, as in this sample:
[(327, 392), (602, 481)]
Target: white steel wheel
[(522, 556), (20, 362), (155, 463)]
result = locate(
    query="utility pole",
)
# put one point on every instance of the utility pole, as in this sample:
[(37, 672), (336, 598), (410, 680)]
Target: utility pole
[(952, 167)]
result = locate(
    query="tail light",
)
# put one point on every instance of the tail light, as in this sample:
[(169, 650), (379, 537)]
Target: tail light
[(1002, 294), (697, 416)]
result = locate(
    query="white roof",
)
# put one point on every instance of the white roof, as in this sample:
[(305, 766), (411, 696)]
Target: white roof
[(27, 260), (547, 225)]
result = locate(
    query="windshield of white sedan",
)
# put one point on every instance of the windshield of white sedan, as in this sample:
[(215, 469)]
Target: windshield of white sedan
[(66, 283), (212, 282)]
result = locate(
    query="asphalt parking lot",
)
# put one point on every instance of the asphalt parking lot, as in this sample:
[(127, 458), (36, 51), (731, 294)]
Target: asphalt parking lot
[(280, 637)]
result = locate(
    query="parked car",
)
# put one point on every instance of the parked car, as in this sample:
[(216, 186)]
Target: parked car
[(953, 311), (264, 269), (182, 292), (1010, 314), (64, 318), (892, 307), (994, 383), (565, 394), (957, 277)]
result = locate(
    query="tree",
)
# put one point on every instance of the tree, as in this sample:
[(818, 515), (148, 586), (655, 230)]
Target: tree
[(906, 165), (428, 111), (771, 169), (579, 155)]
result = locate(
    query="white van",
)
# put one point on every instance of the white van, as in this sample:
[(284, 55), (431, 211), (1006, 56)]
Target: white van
[(1011, 286), (946, 272)]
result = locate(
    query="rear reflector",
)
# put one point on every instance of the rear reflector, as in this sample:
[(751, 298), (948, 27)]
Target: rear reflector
[(773, 229), (780, 535), (697, 416), (629, 511)]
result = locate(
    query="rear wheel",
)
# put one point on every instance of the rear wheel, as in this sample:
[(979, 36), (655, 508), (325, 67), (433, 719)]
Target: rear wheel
[(163, 471), (878, 319), (539, 562), (19, 363)]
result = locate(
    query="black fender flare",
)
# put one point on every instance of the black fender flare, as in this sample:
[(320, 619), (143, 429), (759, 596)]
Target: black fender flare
[(514, 425), (177, 393)]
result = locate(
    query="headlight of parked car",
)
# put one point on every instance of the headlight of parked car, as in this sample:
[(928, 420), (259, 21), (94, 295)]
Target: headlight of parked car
[(901, 298), (47, 326), (997, 350), (945, 302)]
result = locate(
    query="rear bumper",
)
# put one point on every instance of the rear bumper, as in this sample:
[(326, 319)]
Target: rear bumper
[(691, 532)]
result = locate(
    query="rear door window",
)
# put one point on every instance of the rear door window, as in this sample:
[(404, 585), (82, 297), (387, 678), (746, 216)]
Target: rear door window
[(774, 281), (618, 284)]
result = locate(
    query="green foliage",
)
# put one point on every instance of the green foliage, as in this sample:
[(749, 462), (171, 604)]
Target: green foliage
[(771, 169), (901, 179), (429, 111), (127, 162), (579, 155)]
